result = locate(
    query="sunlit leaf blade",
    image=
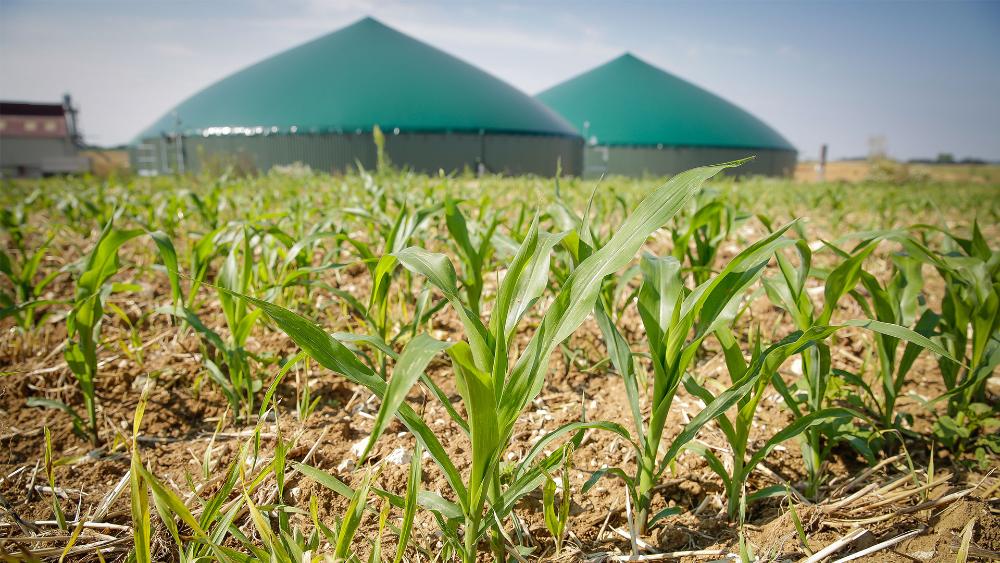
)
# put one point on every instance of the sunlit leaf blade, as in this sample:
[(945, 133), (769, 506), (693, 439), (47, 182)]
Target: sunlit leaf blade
[(576, 298), (334, 356), (412, 362), (410, 508)]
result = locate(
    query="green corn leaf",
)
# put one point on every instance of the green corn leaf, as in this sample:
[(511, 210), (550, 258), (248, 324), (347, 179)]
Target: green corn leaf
[(169, 256), (478, 394), (410, 508), (736, 364), (440, 272), (266, 402), (501, 319), (843, 278), (924, 327), (58, 405), (369, 339), (102, 262), (10, 309), (902, 333), (548, 506), (6, 266), (445, 401), (436, 267), (381, 280), (576, 298), (459, 231), (334, 356), (660, 295), (411, 365), (352, 518), (856, 381), (298, 247), (712, 297), (426, 499), (706, 397), (666, 512), (774, 491), (798, 426), (795, 278), (621, 358), (530, 281), (713, 462), (226, 386), (609, 472), (547, 439)]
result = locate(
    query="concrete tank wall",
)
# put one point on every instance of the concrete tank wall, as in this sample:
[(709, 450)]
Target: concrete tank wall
[(423, 152), (666, 161)]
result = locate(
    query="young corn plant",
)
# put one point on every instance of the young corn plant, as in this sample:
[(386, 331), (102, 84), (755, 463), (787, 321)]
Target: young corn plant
[(809, 395), (236, 274), (969, 329), (475, 252), (557, 513), (494, 387), (676, 320), (288, 272), (751, 379), (227, 362), (204, 251), (899, 301), (83, 325), (582, 238), (21, 269), (214, 529), (698, 239), (50, 465), (393, 233), (763, 366)]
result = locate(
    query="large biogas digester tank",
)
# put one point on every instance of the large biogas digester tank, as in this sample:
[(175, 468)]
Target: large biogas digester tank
[(638, 119), (318, 104)]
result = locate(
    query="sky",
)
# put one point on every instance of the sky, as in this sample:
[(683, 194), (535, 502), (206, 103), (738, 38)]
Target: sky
[(925, 76)]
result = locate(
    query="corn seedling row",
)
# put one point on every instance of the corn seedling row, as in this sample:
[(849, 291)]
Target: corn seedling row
[(405, 288)]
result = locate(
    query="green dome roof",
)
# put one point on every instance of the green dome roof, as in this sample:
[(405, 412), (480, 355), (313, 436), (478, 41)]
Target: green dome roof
[(362, 75), (630, 102)]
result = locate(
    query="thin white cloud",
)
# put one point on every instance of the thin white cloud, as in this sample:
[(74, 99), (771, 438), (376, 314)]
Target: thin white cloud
[(173, 50)]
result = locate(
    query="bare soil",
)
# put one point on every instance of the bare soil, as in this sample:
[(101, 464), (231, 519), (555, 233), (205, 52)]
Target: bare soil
[(183, 417)]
